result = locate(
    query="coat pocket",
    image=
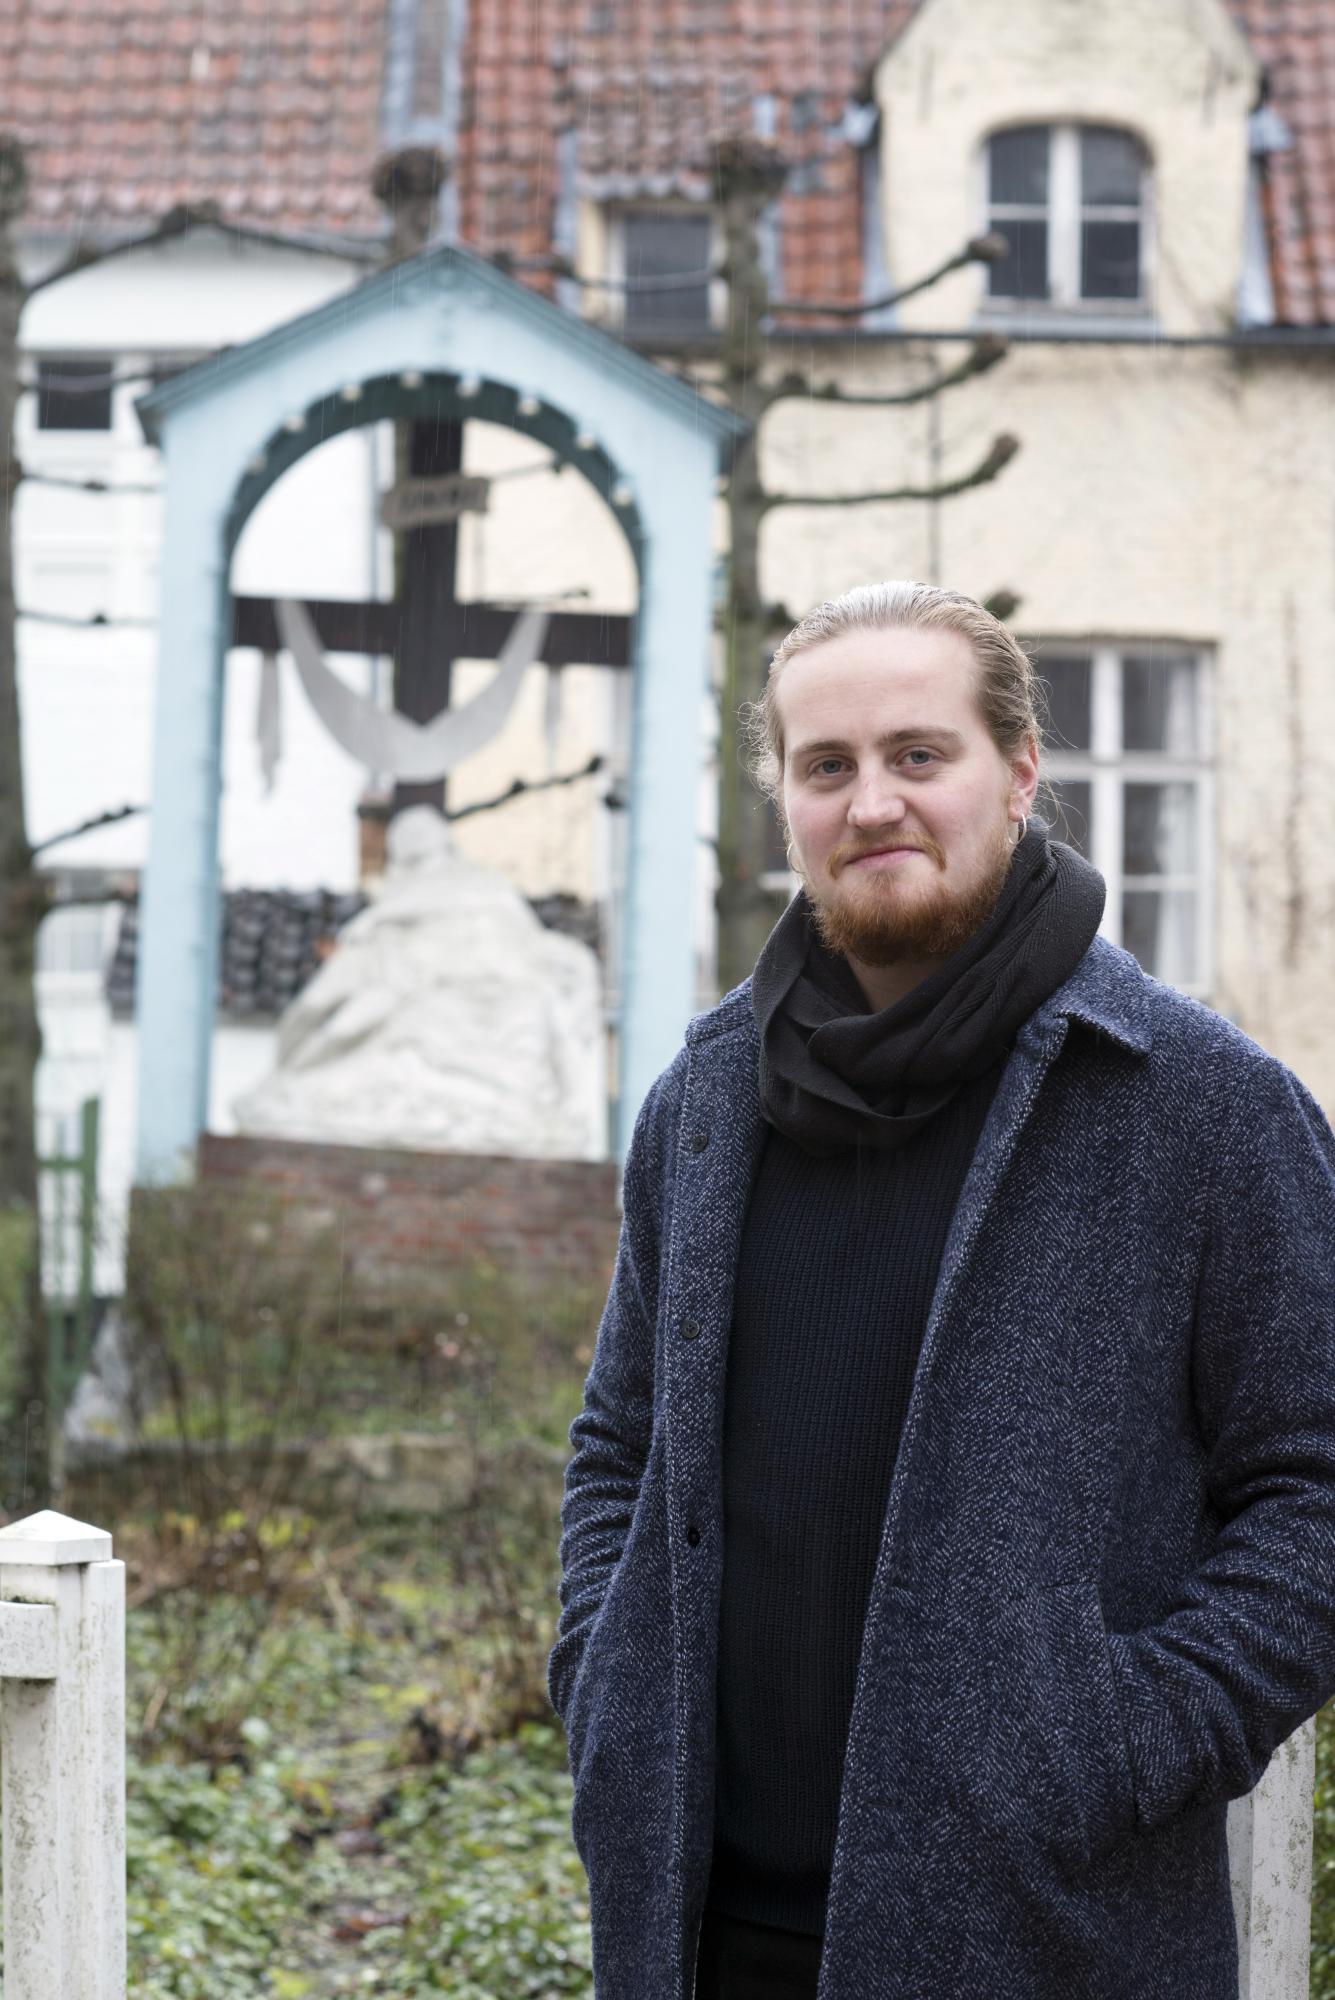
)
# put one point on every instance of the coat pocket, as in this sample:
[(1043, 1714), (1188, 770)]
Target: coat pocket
[(575, 1718), (620, 1728), (1095, 1732), (565, 1664), (1040, 1747)]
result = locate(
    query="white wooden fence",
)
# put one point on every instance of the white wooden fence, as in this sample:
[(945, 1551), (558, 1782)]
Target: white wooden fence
[(1270, 1849), (62, 1766), (62, 1760)]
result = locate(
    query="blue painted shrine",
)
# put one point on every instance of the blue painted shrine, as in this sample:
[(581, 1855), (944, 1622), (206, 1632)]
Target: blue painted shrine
[(400, 345)]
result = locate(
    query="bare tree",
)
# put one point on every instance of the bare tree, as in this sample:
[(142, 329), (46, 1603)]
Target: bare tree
[(26, 1421), (23, 1341), (750, 175)]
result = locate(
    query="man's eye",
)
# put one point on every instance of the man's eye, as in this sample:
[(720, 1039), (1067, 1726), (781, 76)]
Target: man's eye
[(926, 756), (826, 765)]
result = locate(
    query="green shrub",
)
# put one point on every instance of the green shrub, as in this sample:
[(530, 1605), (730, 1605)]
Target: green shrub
[(344, 1774), (214, 1875), (500, 1910), (231, 1301)]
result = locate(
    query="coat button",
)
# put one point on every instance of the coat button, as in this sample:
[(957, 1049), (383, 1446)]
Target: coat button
[(690, 1329), (693, 1536), (699, 1141)]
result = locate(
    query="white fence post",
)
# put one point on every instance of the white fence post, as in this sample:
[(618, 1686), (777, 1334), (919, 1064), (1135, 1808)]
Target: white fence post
[(1270, 1857), (62, 1742)]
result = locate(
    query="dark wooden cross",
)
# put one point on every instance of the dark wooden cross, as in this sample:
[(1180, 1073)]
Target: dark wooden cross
[(427, 627)]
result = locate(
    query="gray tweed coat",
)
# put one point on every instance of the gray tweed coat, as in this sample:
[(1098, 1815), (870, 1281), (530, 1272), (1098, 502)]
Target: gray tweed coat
[(1106, 1582)]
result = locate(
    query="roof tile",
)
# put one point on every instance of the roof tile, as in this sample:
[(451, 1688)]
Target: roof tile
[(1295, 43), (271, 108), (245, 95)]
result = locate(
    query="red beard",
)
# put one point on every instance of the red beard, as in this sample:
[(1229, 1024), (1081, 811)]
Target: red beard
[(884, 922)]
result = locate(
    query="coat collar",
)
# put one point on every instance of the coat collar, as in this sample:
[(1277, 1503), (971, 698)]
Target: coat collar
[(1107, 992)]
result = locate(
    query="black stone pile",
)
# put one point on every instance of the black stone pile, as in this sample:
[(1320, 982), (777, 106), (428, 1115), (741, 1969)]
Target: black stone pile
[(560, 912), (274, 940), (120, 972)]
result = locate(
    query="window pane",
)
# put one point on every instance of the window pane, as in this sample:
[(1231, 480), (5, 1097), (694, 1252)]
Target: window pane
[(1159, 928), (1159, 830), (1069, 817), (659, 246), (1110, 166), (1023, 272), (72, 940), (1018, 165), (1110, 260), (74, 395), (1159, 705), (1068, 679)]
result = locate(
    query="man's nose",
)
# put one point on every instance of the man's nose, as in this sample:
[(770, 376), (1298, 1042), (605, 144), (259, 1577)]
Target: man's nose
[(877, 800)]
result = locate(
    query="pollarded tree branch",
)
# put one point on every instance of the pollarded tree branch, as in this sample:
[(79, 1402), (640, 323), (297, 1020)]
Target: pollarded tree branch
[(97, 902), (985, 353), (1003, 451), (87, 826), (988, 249), (519, 786), (86, 485), (174, 223)]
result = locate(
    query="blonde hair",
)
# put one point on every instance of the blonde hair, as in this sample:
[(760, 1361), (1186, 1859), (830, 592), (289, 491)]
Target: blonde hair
[(1009, 693)]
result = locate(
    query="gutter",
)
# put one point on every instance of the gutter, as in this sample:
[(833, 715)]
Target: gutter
[(1280, 339)]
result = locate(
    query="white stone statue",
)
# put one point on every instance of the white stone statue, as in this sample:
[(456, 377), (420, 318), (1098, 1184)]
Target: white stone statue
[(447, 1018)]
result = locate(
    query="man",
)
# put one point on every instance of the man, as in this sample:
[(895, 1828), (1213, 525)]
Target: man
[(950, 1531)]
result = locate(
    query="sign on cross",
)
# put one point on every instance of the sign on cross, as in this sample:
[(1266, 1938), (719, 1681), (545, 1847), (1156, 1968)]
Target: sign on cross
[(423, 503)]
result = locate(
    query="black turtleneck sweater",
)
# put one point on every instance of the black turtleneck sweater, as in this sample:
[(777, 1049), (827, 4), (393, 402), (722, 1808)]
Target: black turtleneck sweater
[(836, 1272)]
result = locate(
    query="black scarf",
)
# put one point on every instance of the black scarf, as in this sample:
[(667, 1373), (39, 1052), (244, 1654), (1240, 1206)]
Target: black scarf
[(833, 1074)]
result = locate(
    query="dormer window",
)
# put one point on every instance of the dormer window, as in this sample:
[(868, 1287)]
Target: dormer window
[(1071, 201), (664, 255)]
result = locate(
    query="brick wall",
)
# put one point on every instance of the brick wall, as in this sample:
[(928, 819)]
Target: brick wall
[(408, 1213)]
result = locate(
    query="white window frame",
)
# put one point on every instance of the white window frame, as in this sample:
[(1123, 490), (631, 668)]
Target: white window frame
[(96, 921), (616, 262), (1065, 214), (1107, 768)]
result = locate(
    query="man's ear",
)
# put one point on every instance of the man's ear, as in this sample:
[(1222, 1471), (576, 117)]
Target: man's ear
[(1024, 779)]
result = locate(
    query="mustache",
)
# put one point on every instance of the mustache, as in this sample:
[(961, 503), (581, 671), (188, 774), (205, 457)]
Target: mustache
[(841, 857)]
